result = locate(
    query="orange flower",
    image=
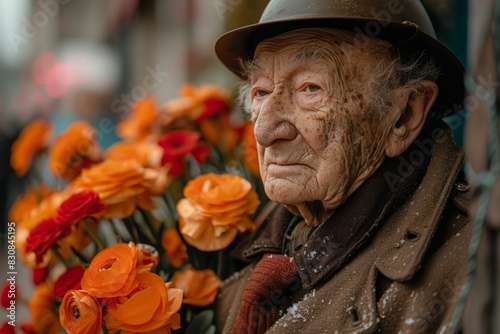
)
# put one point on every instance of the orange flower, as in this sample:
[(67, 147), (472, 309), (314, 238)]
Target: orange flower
[(151, 306), (174, 248), (46, 209), (40, 306), (193, 103), (26, 203), (222, 132), (80, 312), (112, 272), (138, 125), (250, 155), (145, 153), (215, 209), (200, 286), (122, 185), (31, 140), (73, 150)]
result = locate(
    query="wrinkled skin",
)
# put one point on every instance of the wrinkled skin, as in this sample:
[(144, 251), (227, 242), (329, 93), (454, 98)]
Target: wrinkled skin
[(318, 135)]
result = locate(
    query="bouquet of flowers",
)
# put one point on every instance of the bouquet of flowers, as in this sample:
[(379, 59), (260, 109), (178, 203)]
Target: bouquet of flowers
[(137, 238)]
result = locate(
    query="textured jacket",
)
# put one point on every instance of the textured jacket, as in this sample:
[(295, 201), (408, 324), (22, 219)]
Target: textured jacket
[(400, 269)]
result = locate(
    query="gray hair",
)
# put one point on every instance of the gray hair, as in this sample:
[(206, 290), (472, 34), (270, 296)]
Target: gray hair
[(392, 72), (396, 72)]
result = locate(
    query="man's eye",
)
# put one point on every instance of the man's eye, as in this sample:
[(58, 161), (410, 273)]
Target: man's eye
[(312, 88), (261, 92)]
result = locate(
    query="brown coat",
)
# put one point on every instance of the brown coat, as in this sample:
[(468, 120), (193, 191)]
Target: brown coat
[(405, 279)]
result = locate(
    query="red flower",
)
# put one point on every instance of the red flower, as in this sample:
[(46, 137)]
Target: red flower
[(79, 206), (213, 107), (39, 275), (42, 237), (7, 329), (177, 145), (28, 328), (70, 280), (7, 296)]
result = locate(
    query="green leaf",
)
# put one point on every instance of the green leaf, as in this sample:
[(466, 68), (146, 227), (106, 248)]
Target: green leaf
[(211, 330), (202, 323)]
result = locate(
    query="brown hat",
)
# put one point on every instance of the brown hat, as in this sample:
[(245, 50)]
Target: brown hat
[(404, 23)]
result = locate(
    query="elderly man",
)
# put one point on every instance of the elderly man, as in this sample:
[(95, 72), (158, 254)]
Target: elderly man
[(371, 232)]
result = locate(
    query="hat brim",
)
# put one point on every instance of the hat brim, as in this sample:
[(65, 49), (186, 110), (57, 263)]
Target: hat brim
[(239, 44)]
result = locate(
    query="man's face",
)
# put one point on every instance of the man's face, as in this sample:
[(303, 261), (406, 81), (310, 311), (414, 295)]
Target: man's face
[(317, 133)]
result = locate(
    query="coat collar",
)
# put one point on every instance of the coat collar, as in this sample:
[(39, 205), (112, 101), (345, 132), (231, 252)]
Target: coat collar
[(351, 226)]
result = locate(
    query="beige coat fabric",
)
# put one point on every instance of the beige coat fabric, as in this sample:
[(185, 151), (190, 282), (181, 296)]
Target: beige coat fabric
[(419, 251)]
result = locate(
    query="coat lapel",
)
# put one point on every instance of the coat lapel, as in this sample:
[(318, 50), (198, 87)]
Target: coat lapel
[(416, 221)]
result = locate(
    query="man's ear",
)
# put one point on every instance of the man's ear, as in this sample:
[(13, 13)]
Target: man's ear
[(411, 120)]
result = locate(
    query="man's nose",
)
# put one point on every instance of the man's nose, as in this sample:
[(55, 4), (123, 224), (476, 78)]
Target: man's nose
[(275, 120)]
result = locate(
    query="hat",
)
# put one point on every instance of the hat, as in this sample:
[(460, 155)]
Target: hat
[(404, 23)]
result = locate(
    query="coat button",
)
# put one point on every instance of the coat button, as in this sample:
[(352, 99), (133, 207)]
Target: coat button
[(462, 186)]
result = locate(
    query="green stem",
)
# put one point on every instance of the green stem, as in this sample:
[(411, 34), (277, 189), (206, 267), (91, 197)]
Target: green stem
[(171, 215), (220, 259), (83, 260), (149, 225), (93, 235), (118, 237), (130, 224), (171, 207), (59, 256), (189, 316)]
